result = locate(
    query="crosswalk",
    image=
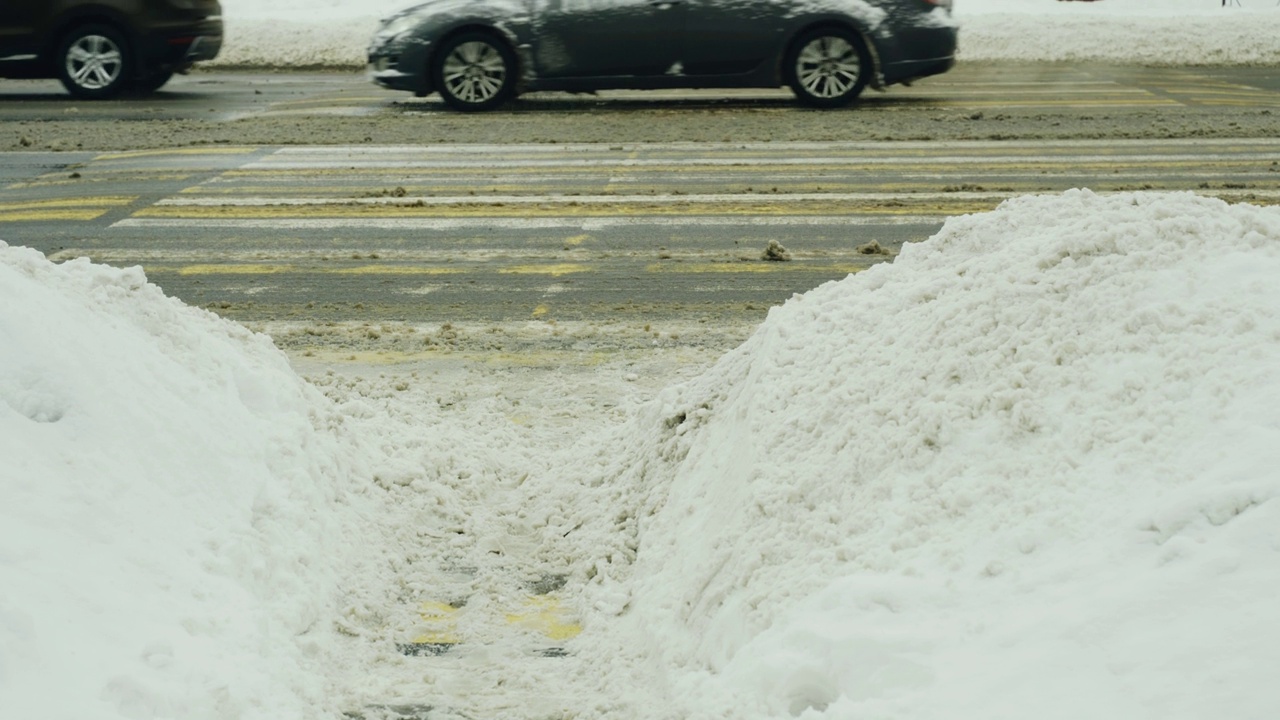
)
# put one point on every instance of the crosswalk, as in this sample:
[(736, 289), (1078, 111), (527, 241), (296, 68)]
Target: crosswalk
[(496, 234)]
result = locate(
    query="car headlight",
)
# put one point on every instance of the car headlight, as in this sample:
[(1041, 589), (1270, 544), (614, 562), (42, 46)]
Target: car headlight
[(394, 28)]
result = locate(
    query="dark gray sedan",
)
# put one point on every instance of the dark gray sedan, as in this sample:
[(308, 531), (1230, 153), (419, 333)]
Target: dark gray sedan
[(479, 53)]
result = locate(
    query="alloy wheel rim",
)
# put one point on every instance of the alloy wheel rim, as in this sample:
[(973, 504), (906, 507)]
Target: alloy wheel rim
[(828, 67), (474, 72), (94, 62)]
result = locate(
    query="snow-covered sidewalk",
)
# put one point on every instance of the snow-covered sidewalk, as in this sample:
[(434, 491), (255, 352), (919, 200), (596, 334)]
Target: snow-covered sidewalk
[(334, 33)]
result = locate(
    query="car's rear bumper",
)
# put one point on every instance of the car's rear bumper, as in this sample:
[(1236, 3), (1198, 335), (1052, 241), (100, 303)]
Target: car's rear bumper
[(908, 70), (182, 45), (919, 52)]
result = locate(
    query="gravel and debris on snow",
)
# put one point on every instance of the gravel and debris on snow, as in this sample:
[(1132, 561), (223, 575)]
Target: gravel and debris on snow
[(1029, 469)]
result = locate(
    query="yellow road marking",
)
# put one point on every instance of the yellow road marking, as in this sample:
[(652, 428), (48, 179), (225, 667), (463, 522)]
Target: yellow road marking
[(76, 202), (62, 209), (544, 614), (555, 270), (61, 179), (49, 215), (541, 310), (284, 269), (960, 161), (441, 620), (749, 267), (176, 151), (394, 270), (773, 205), (235, 269)]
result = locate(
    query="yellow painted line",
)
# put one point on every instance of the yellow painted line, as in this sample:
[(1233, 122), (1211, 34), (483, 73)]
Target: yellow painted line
[(75, 202), (758, 267), (277, 269), (541, 310), (552, 270), (49, 215), (780, 206), (284, 269), (441, 620), (235, 269), (61, 179), (544, 614), (394, 270), (61, 209), (465, 177), (176, 152)]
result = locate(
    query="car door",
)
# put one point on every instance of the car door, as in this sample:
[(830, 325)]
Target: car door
[(17, 28), (606, 38), (731, 37)]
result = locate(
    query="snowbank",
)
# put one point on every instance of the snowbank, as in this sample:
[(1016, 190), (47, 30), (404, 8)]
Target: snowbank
[(301, 33), (176, 510), (1027, 470)]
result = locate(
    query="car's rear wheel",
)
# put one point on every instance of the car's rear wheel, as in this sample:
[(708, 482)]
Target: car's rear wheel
[(94, 62), (475, 71), (828, 67)]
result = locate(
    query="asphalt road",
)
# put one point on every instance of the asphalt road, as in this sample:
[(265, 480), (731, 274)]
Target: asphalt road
[(972, 102), (499, 245)]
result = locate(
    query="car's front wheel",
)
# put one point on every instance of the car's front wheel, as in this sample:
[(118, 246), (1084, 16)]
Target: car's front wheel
[(94, 62), (828, 67), (474, 71)]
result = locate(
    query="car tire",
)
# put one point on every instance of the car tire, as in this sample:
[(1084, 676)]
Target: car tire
[(474, 71), (94, 62), (827, 67)]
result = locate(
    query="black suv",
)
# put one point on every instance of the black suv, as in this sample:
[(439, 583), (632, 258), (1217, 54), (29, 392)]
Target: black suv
[(101, 48)]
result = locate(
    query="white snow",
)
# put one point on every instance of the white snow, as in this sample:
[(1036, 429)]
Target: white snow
[(1027, 470), (177, 505), (1162, 32)]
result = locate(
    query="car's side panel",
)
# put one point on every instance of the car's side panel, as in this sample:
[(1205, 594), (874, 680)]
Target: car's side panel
[(159, 36), (584, 45), (732, 37), (18, 31), (602, 38), (921, 45)]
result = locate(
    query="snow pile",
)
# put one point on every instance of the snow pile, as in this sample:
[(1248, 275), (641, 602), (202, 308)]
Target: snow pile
[(1168, 32), (175, 506), (335, 33), (1027, 470)]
